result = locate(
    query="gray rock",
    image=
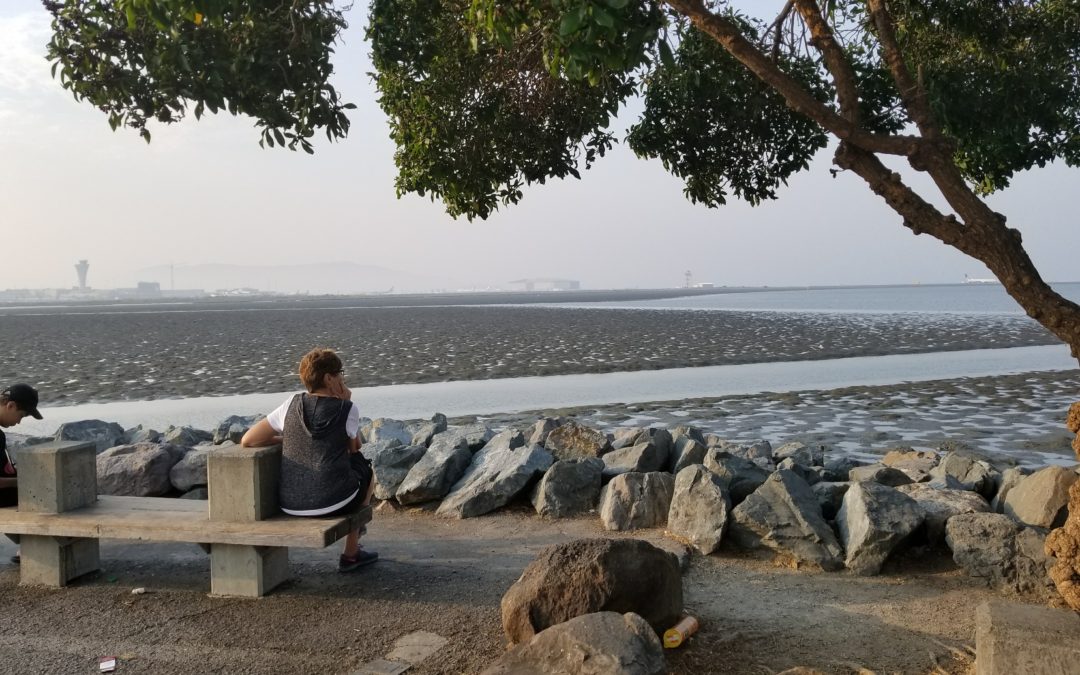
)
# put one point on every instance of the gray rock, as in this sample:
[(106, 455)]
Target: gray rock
[(593, 644), (752, 450), (641, 458), (686, 452), (873, 520), (140, 470), (973, 473), (141, 435), (437, 470), (940, 505), (1042, 499), (385, 429), (569, 488), (800, 453), (879, 473), (391, 462), (997, 549), (837, 469), (500, 471), (740, 476), (540, 430), (699, 508), (104, 434), (1010, 478), (187, 436), (200, 492), (476, 435), (594, 575), (687, 431), (423, 432), (636, 500), (622, 437), (917, 464), (784, 516), (807, 473), (234, 427), (190, 471), (830, 495), (945, 482), (575, 440)]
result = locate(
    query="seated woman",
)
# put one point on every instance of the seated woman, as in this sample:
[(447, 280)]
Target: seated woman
[(322, 470)]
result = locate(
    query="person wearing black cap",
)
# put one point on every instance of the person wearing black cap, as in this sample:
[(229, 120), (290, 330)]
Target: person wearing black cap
[(16, 402)]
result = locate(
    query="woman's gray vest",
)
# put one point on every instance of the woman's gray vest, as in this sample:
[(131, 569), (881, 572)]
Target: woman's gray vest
[(315, 471)]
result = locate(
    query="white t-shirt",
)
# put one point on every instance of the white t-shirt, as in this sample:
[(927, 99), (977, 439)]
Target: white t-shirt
[(277, 418)]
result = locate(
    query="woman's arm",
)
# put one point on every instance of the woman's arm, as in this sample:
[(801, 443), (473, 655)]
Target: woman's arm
[(260, 435)]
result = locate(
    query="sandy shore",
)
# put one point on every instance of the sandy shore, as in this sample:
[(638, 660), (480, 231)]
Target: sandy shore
[(134, 355)]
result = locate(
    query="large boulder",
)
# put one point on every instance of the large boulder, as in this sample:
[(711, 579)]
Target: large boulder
[(784, 516), (685, 452), (873, 520), (190, 471), (186, 436), (594, 575), (838, 469), (1004, 553), (917, 464), (972, 472), (1010, 478), (576, 440), (758, 451), (879, 473), (385, 429), (636, 500), (423, 432), (391, 462), (540, 431), (569, 488), (476, 435), (1063, 544), (104, 434), (233, 428), (830, 495), (600, 643), (437, 470), (1042, 499), (500, 471), (740, 476), (800, 453), (140, 470), (699, 508), (642, 458), (940, 505), (140, 434)]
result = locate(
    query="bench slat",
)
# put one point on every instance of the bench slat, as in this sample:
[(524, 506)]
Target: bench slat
[(181, 520)]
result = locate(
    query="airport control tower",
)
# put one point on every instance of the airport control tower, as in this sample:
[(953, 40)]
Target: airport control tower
[(81, 268)]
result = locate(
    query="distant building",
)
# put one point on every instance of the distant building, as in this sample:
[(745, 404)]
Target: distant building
[(148, 289), (545, 285)]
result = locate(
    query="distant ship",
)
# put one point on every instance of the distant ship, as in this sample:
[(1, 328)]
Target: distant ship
[(973, 280)]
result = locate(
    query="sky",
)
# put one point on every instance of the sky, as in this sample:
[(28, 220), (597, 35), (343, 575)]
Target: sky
[(205, 192)]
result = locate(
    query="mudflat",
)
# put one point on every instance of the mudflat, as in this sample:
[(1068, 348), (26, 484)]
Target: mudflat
[(447, 578), (107, 355)]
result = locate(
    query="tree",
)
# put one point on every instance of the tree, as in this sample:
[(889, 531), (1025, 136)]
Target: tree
[(485, 97)]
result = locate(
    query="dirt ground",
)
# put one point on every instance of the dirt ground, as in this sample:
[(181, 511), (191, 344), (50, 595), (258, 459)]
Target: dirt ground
[(447, 577)]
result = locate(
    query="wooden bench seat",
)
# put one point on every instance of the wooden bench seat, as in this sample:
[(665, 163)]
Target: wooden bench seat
[(187, 520), (60, 518)]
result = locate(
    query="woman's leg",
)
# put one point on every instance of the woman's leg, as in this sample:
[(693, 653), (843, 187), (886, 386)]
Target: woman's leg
[(352, 540)]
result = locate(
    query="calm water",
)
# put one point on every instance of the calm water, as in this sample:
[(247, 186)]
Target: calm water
[(958, 299)]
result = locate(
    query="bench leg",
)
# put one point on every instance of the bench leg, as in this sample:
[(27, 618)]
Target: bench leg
[(247, 571), (54, 561)]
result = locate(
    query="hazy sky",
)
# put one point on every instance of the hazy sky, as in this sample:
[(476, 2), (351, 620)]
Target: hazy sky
[(204, 192)]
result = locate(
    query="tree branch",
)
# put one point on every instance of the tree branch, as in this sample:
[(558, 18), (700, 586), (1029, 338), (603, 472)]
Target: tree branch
[(911, 93), (797, 97), (778, 26), (821, 36)]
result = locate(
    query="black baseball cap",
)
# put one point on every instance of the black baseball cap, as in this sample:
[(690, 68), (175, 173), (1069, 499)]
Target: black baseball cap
[(24, 396)]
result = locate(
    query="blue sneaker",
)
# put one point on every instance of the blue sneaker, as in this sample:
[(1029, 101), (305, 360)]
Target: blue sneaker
[(361, 559)]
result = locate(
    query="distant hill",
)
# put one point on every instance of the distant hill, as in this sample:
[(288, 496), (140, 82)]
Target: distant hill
[(335, 277)]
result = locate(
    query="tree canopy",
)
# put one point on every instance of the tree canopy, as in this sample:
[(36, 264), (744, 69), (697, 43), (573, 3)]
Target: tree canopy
[(485, 97)]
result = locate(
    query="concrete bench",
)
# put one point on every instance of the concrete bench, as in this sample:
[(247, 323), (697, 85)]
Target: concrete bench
[(60, 518)]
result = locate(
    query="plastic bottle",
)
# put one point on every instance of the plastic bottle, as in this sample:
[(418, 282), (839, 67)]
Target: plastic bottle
[(677, 634)]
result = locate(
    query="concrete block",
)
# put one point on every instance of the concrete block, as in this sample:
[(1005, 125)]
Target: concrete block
[(247, 571), (57, 477), (243, 483), (1011, 639), (54, 561)]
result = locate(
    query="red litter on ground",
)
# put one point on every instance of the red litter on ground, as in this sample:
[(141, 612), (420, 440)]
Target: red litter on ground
[(106, 664)]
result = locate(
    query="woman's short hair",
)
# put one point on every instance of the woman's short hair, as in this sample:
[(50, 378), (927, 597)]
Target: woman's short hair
[(316, 365)]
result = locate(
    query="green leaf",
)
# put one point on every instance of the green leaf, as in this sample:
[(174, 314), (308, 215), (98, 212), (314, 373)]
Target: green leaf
[(571, 21), (666, 57)]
